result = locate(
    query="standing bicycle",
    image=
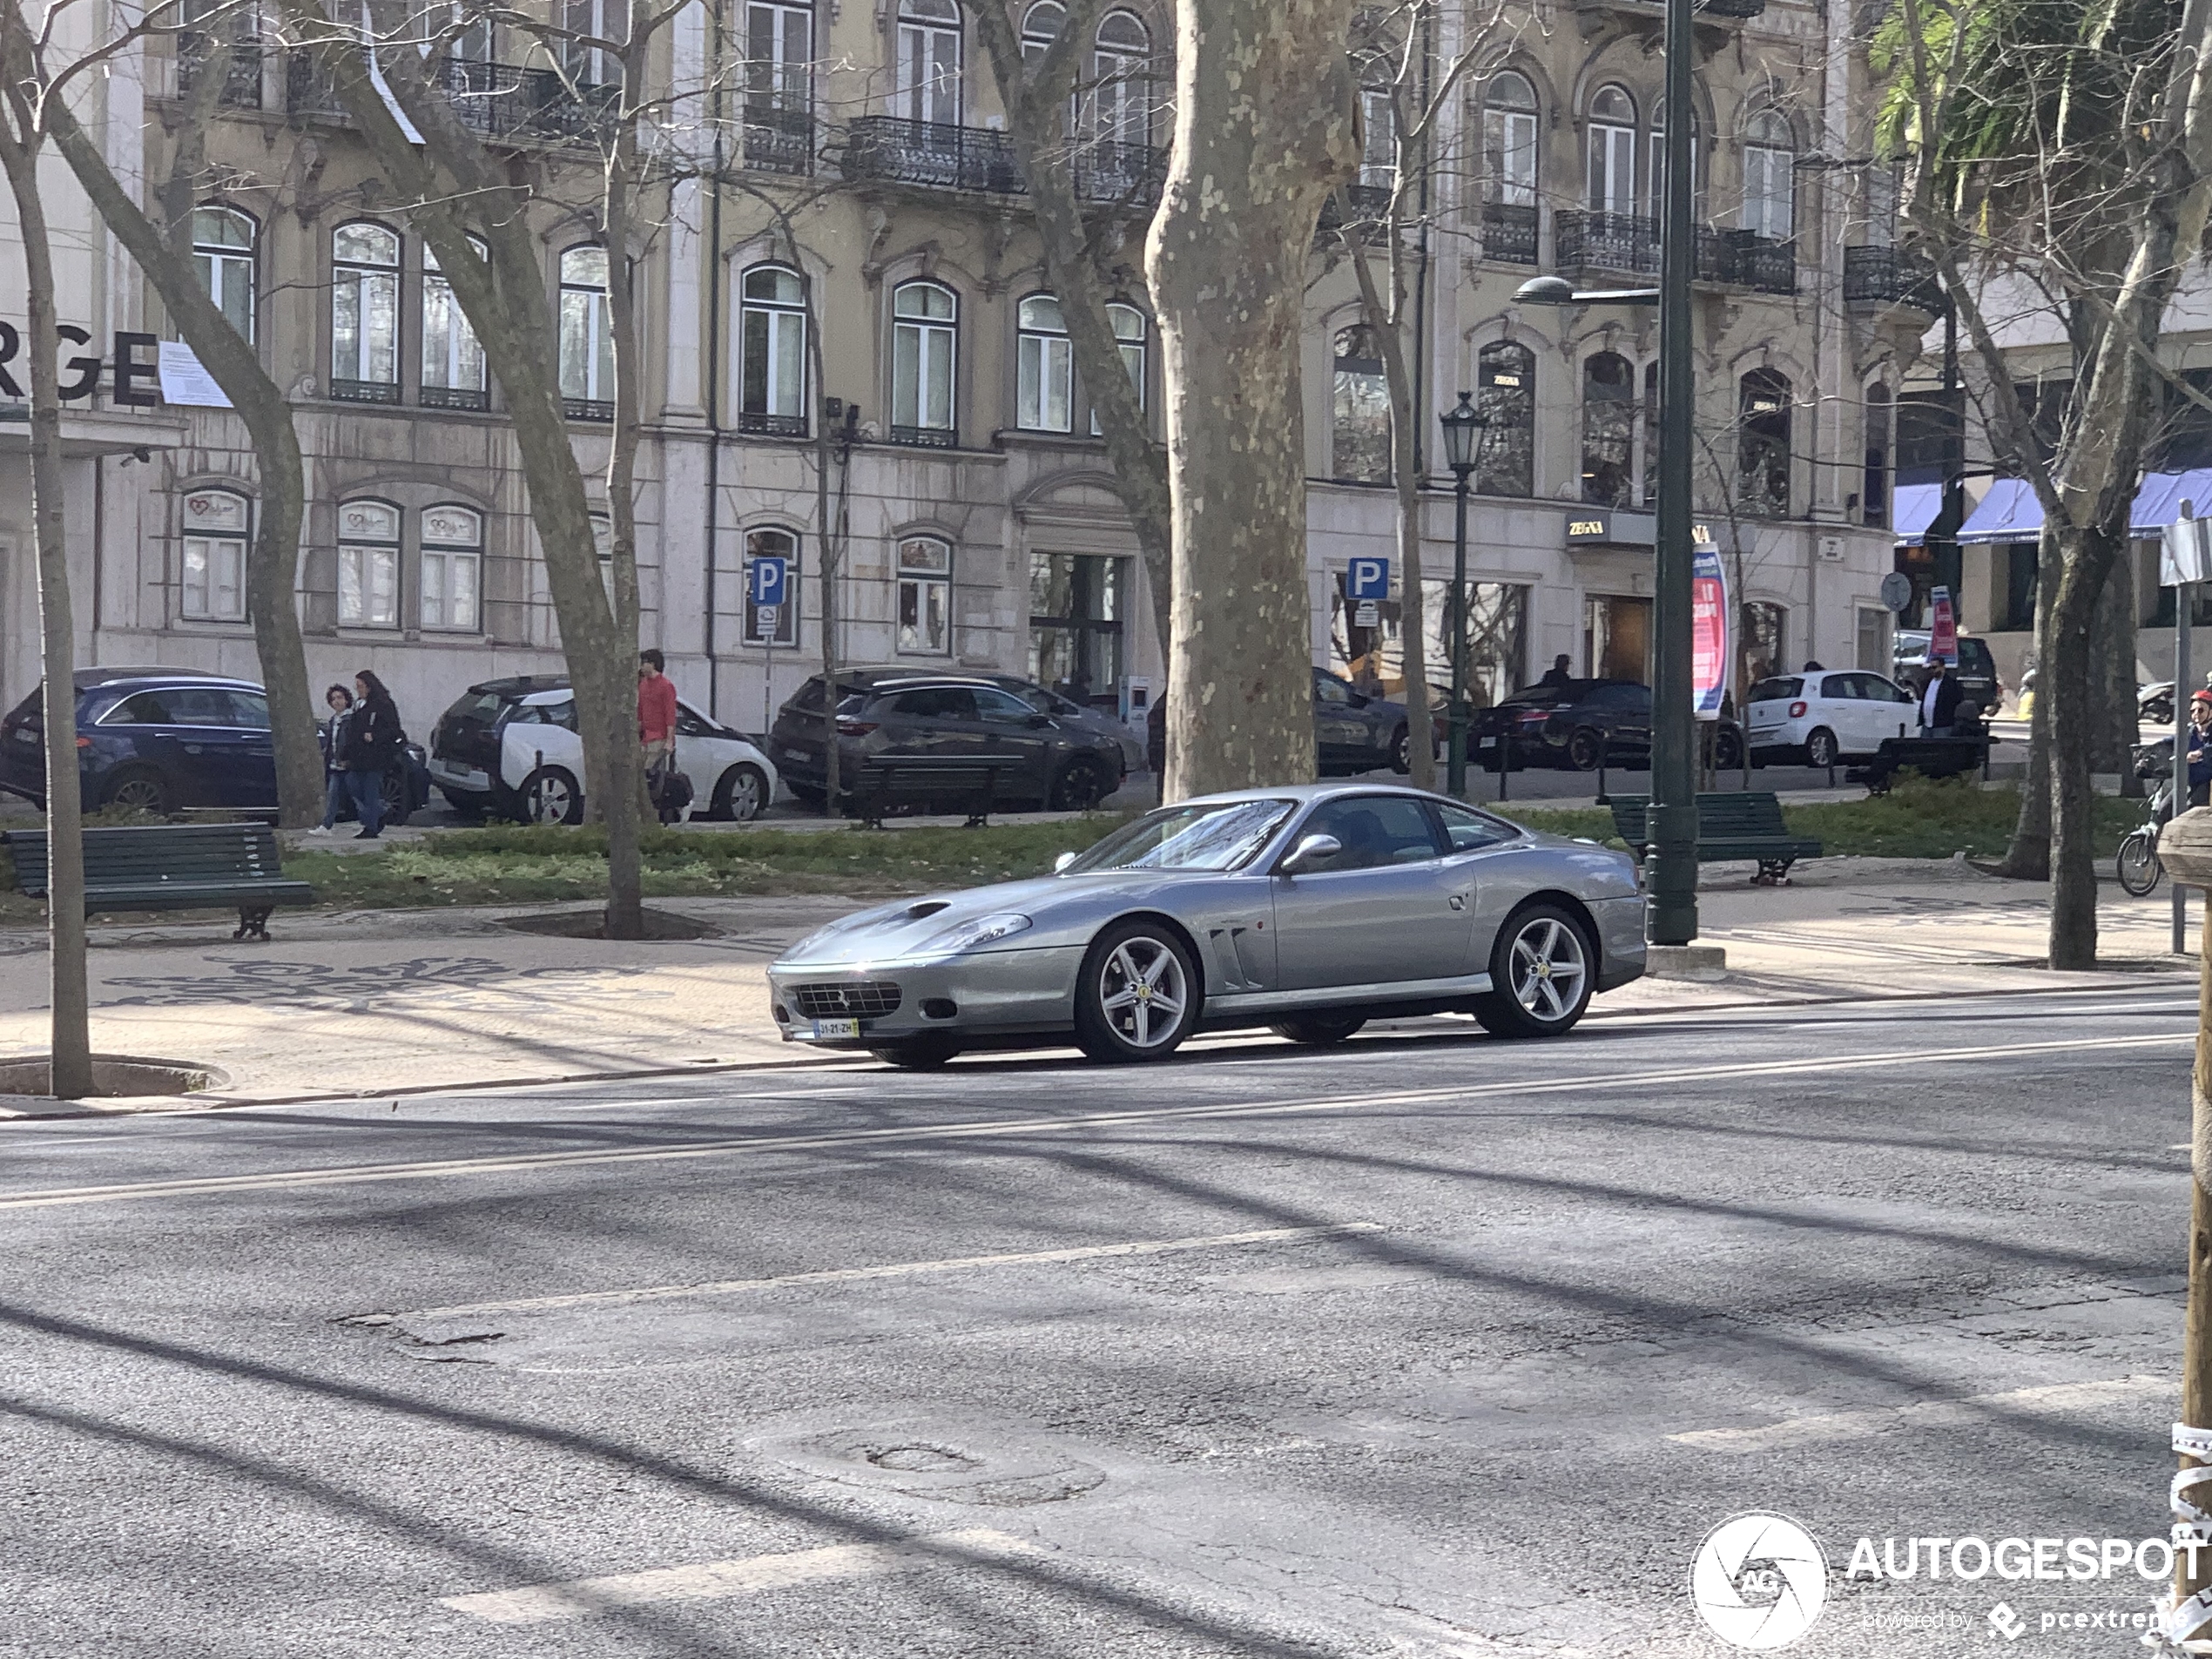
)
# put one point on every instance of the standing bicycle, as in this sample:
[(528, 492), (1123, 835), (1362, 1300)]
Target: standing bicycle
[(2139, 865)]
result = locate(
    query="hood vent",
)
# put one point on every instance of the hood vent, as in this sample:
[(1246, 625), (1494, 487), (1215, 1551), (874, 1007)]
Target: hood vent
[(928, 907)]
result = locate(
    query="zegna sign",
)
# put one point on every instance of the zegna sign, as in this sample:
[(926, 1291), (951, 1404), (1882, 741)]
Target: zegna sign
[(137, 369)]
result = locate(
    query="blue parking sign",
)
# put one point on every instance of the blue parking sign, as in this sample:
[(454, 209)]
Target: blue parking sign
[(769, 575), (1367, 579)]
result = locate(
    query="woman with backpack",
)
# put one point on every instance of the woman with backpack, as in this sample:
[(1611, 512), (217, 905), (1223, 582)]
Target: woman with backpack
[(372, 745)]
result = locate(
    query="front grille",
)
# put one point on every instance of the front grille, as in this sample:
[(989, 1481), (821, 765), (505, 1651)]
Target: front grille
[(867, 998)]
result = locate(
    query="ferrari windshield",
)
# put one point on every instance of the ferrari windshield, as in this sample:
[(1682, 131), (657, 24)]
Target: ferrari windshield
[(1202, 835)]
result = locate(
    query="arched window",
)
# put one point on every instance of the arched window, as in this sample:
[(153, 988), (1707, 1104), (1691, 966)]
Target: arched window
[(773, 624), (1129, 333), (929, 61), (365, 314), (453, 555), (1123, 74), (222, 252), (1874, 492), (1762, 442), (1044, 398), (1359, 434), (587, 336), (1612, 169), (216, 524), (772, 335), (368, 564), (1770, 177), (1509, 139), (1608, 428), (453, 358), (925, 596), (1506, 372), (925, 355), (594, 20), (1041, 26)]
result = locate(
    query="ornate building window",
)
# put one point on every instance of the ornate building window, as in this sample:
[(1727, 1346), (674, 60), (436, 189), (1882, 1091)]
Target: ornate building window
[(453, 358), (1608, 430), (929, 62), (365, 314), (368, 564), (1505, 450), (1762, 442), (1770, 177), (1611, 181), (1045, 370), (925, 597), (453, 559), (772, 335), (1360, 432), (587, 336), (222, 251), (925, 353), (217, 524)]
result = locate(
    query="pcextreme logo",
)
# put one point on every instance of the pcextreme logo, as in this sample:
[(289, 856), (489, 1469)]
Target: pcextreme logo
[(1759, 1580)]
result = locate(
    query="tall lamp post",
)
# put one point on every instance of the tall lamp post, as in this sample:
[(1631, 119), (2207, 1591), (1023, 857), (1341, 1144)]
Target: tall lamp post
[(1462, 427), (1670, 862)]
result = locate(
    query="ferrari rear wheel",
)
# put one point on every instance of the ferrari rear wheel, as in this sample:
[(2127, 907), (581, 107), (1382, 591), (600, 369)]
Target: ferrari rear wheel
[(1138, 997), (1319, 1030)]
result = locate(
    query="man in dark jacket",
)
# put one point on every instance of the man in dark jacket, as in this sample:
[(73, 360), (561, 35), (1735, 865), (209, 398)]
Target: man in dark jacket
[(1940, 696), (1557, 674)]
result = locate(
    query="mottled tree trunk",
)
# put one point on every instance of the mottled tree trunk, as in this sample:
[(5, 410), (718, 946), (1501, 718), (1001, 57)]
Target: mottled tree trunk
[(1264, 132), (2118, 689), (625, 862), (2067, 682)]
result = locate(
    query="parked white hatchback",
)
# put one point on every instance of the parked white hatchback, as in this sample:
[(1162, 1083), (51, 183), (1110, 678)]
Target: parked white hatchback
[(1826, 716)]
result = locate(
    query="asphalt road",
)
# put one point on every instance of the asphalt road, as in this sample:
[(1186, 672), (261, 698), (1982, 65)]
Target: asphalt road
[(1388, 1350)]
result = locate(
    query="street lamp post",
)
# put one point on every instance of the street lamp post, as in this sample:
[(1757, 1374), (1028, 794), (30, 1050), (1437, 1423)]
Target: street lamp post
[(1670, 862), (1462, 425)]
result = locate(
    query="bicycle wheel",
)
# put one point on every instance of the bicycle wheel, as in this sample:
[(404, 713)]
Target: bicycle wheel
[(2139, 866)]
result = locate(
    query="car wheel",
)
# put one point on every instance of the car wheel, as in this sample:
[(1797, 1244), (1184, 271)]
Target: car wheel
[(918, 1054), (393, 789), (1820, 748), (1401, 751), (1584, 748), (1080, 786), (1137, 997), (1542, 971), (550, 795), (139, 789), (1728, 750), (742, 795), (1319, 1030)]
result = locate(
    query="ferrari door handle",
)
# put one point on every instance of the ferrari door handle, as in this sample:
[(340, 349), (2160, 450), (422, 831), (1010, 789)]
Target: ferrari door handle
[(1458, 901)]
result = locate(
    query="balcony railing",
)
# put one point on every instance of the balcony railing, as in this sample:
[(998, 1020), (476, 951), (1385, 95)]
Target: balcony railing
[(456, 397), (498, 100), (1747, 260), (1370, 203), (1891, 276), (241, 78), (1715, 11), (1623, 243), (772, 426), (346, 391), (1509, 232), (599, 411), (779, 140), (933, 155), (927, 437)]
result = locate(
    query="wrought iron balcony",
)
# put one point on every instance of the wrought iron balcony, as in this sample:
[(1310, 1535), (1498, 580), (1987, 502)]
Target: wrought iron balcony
[(772, 426), (241, 77), (456, 397), (931, 155), (498, 100), (779, 140), (1509, 232), (1885, 276), (1619, 242), (346, 391), (596, 410), (1747, 260), (1713, 11), (927, 437)]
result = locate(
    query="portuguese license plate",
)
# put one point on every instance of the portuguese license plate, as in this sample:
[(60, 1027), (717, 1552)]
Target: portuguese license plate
[(833, 1030)]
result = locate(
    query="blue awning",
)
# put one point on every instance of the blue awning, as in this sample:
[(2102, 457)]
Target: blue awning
[(2011, 513), (1912, 509)]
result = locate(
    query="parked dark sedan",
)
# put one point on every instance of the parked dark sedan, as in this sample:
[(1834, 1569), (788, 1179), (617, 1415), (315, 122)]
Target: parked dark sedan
[(1060, 764), (1067, 711), (1352, 732), (169, 740), (1578, 725)]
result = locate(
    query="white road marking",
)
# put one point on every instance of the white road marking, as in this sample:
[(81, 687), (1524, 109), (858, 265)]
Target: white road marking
[(889, 1270), (1934, 1413), (711, 1580), (1897, 1061)]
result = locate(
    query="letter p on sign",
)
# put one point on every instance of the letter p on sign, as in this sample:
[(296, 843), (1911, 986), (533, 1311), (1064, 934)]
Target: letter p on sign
[(1367, 579)]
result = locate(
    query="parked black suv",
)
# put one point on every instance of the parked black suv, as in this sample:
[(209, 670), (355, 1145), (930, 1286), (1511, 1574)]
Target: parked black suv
[(1577, 725), (1061, 766), (1352, 732)]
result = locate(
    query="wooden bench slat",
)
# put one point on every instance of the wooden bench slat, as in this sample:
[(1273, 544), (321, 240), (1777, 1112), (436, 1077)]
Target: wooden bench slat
[(181, 866)]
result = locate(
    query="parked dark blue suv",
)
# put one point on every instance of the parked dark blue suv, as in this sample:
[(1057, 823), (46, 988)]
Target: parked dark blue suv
[(169, 740)]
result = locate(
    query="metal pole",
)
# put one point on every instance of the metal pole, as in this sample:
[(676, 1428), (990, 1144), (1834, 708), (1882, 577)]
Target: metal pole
[(1456, 725), (1671, 885), (2182, 606)]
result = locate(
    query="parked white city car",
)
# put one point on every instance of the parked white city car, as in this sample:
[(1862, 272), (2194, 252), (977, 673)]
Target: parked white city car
[(510, 747), (1827, 715)]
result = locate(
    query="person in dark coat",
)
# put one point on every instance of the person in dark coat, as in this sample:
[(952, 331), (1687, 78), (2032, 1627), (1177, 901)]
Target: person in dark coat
[(1940, 696), (373, 739), (1557, 674), (333, 751)]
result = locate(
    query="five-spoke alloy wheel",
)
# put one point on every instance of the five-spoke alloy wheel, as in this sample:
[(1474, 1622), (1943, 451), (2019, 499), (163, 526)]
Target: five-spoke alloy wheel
[(1541, 970), (1138, 996)]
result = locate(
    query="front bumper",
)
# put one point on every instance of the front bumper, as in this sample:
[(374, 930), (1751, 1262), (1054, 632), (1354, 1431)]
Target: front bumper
[(983, 994)]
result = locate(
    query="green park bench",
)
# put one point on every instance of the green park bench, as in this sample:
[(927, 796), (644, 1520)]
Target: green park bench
[(172, 866), (1730, 826)]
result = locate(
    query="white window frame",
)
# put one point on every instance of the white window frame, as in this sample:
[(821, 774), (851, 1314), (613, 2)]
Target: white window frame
[(365, 300), (931, 44), (1121, 75), (453, 565), (212, 575), (585, 307), (782, 324), (1132, 332), (1609, 172), (453, 358), (783, 78), (369, 569), (1379, 152), (1769, 179), (925, 343), (227, 270), (1509, 138), (606, 19), (924, 591), (1045, 367)]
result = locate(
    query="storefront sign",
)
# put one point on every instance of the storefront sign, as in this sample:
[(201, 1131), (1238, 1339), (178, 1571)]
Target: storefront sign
[(1709, 632), (1608, 527), (135, 375)]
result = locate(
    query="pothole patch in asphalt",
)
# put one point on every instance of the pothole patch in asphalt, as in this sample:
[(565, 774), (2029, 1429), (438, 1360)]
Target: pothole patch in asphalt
[(919, 1454)]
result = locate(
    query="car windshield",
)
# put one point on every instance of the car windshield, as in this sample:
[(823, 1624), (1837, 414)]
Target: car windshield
[(1218, 835)]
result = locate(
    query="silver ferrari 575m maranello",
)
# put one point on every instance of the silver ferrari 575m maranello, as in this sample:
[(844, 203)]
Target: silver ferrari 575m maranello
[(1310, 909)]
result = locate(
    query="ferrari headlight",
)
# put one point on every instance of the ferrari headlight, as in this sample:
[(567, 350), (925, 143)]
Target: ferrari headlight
[(974, 936)]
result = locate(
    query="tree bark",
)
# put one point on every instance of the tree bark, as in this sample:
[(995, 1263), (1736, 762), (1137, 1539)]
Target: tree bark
[(2088, 555), (2028, 856), (163, 253), (1265, 130), (1037, 102), (2117, 686), (20, 139)]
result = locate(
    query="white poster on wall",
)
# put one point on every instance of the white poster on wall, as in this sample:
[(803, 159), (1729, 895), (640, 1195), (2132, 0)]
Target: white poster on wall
[(185, 381)]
